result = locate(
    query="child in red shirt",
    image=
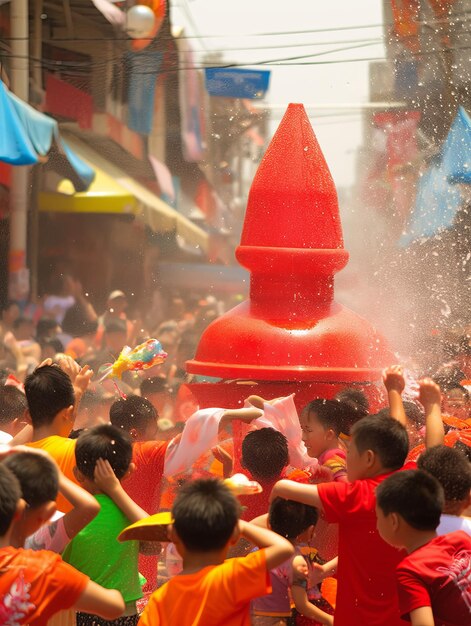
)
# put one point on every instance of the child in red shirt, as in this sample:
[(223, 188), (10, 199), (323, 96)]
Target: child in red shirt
[(434, 580), (366, 592)]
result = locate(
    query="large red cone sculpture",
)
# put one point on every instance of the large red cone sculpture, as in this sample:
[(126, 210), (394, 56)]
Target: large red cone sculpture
[(291, 334)]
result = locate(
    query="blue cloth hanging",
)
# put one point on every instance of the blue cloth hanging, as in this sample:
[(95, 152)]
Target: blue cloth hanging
[(438, 197)]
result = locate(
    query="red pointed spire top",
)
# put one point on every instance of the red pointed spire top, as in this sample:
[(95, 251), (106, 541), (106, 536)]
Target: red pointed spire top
[(293, 200)]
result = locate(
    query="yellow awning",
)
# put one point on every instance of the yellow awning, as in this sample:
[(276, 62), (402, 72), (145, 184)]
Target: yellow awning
[(113, 191)]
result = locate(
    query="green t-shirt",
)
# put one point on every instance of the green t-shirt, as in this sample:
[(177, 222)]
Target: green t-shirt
[(95, 551)]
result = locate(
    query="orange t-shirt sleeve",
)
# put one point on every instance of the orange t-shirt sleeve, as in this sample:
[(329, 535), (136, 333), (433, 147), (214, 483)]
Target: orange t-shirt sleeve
[(58, 589), (250, 576)]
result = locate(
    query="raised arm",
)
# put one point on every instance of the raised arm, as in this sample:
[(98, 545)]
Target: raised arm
[(107, 603), (430, 398), (393, 379), (290, 490), (85, 506), (200, 434), (105, 479), (277, 549)]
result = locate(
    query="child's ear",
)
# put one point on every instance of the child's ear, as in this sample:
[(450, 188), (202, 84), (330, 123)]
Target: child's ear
[(45, 512), (370, 458), (20, 509), (133, 434), (130, 471), (78, 474), (235, 535), (395, 521)]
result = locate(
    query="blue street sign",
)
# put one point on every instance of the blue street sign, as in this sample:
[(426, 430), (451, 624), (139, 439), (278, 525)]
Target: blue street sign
[(237, 83)]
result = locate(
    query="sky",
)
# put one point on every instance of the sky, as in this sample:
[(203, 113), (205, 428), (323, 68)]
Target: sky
[(240, 31)]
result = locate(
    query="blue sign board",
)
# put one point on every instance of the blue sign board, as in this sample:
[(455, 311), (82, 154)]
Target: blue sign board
[(237, 82)]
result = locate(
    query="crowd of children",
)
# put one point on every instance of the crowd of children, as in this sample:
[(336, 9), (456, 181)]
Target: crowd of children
[(359, 515)]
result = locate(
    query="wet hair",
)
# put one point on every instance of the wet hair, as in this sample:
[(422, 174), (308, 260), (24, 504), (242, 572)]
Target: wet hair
[(413, 494), (205, 513), (265, 453), (414, 413), (10, 493), (132, 412), (355, 399), (451, 468), (13, 404), (464, 449), (332, 414), (37, 475), (385, 436), (48, 390), (289, 518), (103, 442)]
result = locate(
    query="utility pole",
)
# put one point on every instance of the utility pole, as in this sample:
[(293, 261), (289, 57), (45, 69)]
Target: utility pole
[(18, 282)]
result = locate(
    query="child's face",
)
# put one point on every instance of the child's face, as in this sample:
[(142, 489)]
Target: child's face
[(385, 526), (456, 403), (357, 466), (315, 435)]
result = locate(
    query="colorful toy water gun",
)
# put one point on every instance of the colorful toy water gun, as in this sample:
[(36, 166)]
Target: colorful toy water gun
[(142, 357)]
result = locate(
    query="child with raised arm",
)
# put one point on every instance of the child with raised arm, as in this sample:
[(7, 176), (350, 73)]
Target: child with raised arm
[(36, 585), (296, 578), (212, 591), (434, 580), (103, 456), (429, 397), (366, 592), (40, 481)]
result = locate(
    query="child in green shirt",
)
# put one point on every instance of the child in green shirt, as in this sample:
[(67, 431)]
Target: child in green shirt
[(103, 458)]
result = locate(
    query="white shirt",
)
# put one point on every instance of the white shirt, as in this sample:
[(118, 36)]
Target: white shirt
[(450, 523)]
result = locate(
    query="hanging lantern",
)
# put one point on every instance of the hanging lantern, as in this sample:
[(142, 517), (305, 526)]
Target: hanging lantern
[(140, 21)]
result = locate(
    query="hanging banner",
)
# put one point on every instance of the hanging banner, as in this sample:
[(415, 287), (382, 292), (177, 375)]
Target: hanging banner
[(237, 83), (142, 72)]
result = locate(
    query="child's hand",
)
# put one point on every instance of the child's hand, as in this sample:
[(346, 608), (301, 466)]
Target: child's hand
[(244, 415), (82, 380), (429, 392), (105, 478), (393, 378), (225, 459), (300, 568)]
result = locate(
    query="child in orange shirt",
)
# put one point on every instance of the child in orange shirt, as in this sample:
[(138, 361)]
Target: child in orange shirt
[(210, 590)]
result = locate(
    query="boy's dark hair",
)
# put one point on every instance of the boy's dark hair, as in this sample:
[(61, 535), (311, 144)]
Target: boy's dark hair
[(37, 475), (385, 436), (48, 390), (289, 518), (414, 413), (10, 493), (13, 404), (132, 412), (332, 414), (356, 400), (265, 453), (415, 495), (451, 468), (103, 442), (205, 513)]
